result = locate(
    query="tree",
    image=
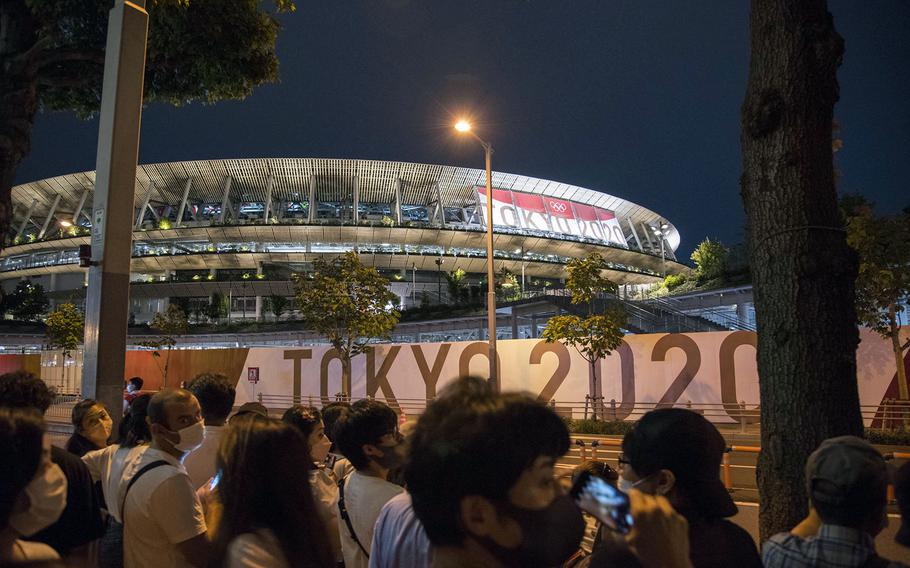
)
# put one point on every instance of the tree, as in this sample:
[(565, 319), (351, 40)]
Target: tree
[(457, 284), (52, 57), (347, 303), (598, 334), (507, 285), (883, 282), (277, 305), (28, 301), (217, 307), (710, 258), (65, 328), (802, 268), (170, 325)]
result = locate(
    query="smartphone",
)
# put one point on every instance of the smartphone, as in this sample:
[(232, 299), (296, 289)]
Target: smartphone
[(607, 503)]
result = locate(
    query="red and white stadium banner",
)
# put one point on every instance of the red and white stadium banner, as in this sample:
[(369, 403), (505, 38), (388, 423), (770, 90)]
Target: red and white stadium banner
[(518, 210)]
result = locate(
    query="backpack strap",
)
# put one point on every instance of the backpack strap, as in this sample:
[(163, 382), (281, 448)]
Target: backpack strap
[(134, 479), (343, 511)]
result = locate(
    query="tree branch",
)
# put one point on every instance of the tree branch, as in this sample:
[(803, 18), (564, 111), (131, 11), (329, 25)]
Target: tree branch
[(63, 56)]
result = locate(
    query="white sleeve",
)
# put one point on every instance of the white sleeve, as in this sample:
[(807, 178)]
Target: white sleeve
[(93, 461), (248, 551)]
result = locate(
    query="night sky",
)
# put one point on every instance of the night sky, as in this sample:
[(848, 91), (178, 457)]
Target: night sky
[(636, 98)]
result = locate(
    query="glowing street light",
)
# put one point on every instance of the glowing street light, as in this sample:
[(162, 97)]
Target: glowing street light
[(465, 127), (66, 224)]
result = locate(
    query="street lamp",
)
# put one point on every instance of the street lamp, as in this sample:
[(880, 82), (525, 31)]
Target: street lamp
[(661, 234), (439, 262), (464, 126)]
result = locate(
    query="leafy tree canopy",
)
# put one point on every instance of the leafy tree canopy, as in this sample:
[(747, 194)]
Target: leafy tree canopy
[(28, 301), (65, 328), (198, 50), (586, 280), (346, 302), (710, 258)]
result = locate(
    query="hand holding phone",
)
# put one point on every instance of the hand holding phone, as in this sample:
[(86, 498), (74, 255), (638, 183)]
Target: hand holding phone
[(607, 503)]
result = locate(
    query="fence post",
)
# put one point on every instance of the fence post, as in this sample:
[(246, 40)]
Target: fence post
[(742, 416), (259, 397), (728, 480)]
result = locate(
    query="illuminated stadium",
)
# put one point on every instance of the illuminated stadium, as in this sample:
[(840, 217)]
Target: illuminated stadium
[(241, 227)]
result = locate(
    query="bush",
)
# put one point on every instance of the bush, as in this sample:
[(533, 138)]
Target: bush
[(673, 281), (602, 427), (888, 437)]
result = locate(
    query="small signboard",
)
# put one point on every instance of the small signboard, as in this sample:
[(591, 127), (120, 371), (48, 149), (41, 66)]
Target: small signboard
[(252, 374)]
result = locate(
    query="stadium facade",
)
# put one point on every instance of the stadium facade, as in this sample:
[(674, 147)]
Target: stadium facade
[(241, 227)]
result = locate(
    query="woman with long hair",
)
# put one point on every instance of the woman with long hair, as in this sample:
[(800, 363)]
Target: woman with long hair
[(92, 425), (323, 481), (269, 518)]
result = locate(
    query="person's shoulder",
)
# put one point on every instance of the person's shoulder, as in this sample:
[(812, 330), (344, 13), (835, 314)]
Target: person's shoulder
[(71, 464), (400, 502), (36, 551)]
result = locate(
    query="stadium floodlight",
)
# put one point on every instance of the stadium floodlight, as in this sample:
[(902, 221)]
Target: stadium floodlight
[(66, 224), (464, 126)]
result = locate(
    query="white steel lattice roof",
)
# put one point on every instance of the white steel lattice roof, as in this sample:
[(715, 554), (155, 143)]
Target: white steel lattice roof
[(334, 180)]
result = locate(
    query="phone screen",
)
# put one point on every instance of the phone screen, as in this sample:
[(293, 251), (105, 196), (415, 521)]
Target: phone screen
[(607, 503)]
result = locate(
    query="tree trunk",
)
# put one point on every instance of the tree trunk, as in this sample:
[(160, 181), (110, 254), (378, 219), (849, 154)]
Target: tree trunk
[(898, 353), (803, 271), (18, 101)]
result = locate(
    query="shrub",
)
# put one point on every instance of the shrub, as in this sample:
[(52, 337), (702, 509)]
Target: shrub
[(603, 427)]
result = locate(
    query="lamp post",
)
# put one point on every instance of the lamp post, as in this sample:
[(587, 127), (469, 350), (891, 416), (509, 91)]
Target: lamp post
[(439, 262), (465, 127), (661, 233)]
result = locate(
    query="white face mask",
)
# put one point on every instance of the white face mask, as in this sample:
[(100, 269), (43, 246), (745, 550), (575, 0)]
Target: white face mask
[(191, 437), (46, 495), (625, 485), (320, 450)]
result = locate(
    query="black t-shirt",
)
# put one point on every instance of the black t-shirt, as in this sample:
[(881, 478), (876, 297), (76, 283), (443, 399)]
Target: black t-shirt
[(80, 522), (719, 543), (79, 445)]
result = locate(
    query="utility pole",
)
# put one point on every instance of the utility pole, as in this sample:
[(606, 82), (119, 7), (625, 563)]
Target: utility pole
[(107, 296)]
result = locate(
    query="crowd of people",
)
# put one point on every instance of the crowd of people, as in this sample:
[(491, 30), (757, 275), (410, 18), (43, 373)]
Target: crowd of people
[(192, 481)]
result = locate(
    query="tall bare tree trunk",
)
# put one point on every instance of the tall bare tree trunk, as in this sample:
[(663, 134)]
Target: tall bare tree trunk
[(803, 270), (898, 353), (18, 100)]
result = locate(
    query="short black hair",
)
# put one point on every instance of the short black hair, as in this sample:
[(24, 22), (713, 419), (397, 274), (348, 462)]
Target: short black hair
[(472, 441), (365, 423), (21, 389), (136, 382), (215, 393), (304, 418), (21, 431), (134, 429), (331, 412), (157, 409)]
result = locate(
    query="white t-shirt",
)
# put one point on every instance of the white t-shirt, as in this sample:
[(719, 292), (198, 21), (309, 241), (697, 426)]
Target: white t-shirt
[(399, 538), (325, 494), (200, 463), (364, 497), (161, 511), (107, 465), (258, 549)]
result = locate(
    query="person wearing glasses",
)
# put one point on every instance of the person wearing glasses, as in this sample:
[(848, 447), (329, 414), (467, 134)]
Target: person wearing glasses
[(368, 436)]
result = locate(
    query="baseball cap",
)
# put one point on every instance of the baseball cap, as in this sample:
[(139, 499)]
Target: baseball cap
[(840, 467), (902, 494), (252, 408), (685, 443)]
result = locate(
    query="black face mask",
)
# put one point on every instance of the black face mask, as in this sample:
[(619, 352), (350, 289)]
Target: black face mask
[(549, 535), (392, 456)]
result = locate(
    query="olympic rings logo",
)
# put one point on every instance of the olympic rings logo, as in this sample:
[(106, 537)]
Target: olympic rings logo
[(558, 207)]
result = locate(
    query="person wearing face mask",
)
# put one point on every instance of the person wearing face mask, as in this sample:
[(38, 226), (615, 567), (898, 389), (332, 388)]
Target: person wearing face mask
[(81, 523), (32, 487), (677, 453), (847, 482), (162, 518), (92, 425), (323, 482), (368, 436), (215, 394)]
